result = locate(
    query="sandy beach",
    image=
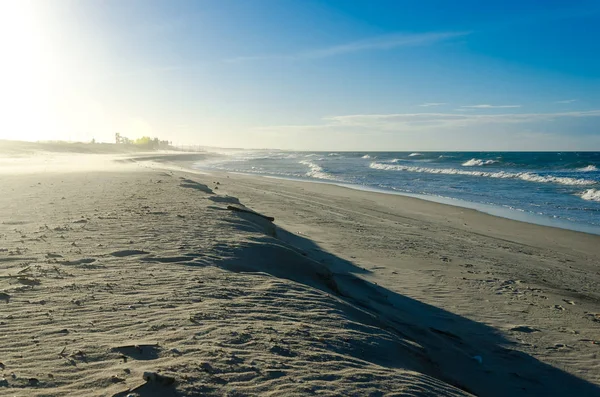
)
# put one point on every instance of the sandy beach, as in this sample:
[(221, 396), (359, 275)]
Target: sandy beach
[(136, 275)]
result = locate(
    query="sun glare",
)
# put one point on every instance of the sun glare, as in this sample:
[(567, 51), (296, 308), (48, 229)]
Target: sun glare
[(26, 74)]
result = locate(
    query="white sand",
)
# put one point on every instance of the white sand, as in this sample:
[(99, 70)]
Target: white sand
[(351, 293)]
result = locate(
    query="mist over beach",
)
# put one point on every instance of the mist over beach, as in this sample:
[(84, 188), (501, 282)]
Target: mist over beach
[(282, 198)]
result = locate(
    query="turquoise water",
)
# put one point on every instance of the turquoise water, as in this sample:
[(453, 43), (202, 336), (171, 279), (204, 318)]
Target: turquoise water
[(557, 188)]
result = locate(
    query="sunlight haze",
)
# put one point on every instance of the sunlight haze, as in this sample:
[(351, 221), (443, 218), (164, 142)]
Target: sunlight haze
[(304, 75), (299, 198)]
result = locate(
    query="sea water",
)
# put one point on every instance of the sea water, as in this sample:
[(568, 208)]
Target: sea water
[(553, 188)]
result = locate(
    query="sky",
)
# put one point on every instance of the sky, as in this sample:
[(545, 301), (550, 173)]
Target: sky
[(304, 75)]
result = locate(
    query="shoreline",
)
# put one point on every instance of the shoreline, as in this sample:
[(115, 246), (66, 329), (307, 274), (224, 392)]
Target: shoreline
[(346, 292), (509, 274), (427, 210), (488, 209)]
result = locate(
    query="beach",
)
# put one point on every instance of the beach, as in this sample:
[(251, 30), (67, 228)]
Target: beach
[(134, 274)]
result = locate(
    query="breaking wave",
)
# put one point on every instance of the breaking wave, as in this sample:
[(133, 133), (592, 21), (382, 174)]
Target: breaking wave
[(366, 156), (478, 162), (316, 171), (591, 195), (415, 159), (415, 154), (589, 168), (525, 176)]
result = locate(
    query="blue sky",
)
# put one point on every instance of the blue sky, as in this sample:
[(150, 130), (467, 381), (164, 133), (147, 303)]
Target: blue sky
[(315, 75)]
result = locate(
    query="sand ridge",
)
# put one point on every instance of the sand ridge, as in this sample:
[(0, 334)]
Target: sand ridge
[(136, 272), (513, 277)]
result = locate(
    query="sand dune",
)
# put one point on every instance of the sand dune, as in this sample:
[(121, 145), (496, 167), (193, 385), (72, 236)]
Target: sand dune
[(139, 280)]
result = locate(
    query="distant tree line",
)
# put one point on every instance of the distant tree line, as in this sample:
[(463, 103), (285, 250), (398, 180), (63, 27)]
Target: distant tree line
[(145, 141)]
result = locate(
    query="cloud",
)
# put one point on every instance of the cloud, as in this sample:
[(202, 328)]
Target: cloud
[(567, 101), (424, 121), (491, 106), (381, 43), (450, 120), (428, 104)]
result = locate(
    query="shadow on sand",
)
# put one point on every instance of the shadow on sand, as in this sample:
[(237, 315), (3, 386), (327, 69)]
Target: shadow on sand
[(466, 354), (469, 355)]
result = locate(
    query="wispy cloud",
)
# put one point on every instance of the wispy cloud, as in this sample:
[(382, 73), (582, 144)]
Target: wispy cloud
[(567, 101), (420, 121), (416, 120), (484, 106), (381, 43), (429, 104)]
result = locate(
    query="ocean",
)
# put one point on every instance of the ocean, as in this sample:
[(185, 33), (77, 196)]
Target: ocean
[(559, 189)]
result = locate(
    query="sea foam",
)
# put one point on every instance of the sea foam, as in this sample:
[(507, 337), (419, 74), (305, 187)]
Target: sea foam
[(478, 162), (591, 195), (589, 168), (526, 176), (316, 171)]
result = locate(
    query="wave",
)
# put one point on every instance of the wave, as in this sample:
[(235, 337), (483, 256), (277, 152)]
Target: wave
[(589, 168), (366, 156), (316, 171), (591, 195), (478, 162), (410, 160), (525, 176), (313, 155), (415, 154)]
